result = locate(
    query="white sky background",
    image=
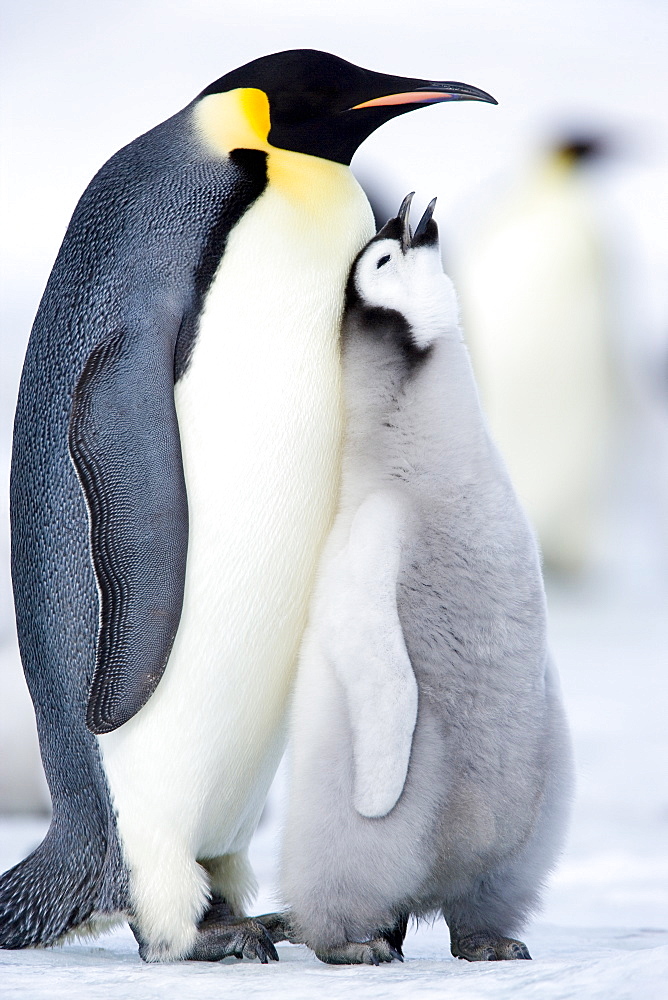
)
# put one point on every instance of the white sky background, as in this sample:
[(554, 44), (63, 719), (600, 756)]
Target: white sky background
[(81, 79)]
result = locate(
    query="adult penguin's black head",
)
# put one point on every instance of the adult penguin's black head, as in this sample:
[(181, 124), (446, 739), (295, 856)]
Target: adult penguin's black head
[(324, 106)]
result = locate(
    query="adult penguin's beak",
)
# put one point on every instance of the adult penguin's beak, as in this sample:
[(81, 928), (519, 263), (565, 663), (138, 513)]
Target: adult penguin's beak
[(430, 93)]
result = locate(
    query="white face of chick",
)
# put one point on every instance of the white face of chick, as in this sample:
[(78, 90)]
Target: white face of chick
[(412, 283)]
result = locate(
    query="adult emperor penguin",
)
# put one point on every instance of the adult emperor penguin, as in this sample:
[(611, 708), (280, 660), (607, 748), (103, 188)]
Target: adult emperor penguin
[(537, 296), (176, 459), (431, 763)]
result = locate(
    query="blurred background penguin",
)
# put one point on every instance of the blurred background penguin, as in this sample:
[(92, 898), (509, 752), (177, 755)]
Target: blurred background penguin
[(536, 289)]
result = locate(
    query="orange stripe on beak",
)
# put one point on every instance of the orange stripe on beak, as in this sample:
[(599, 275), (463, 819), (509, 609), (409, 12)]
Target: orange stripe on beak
[(415, 97)]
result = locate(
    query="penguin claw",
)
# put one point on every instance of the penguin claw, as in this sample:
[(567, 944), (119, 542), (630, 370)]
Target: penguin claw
[(238, 938)]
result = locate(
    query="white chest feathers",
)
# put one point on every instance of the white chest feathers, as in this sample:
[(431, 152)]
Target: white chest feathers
[(259, 415), (260, 408)]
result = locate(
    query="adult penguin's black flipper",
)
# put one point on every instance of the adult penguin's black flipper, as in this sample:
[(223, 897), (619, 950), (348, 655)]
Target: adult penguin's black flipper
[(124, 442)]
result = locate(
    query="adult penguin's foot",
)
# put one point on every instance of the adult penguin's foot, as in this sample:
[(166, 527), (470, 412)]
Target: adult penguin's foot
[(223, 934)]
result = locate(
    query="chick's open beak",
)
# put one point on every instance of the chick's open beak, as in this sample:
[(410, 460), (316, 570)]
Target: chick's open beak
[(408, 238)]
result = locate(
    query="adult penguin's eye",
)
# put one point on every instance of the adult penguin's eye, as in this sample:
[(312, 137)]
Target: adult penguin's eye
[(383, 260)]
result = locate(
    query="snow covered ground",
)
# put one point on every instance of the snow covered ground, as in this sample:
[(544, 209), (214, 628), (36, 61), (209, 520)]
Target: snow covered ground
[(604, 930)]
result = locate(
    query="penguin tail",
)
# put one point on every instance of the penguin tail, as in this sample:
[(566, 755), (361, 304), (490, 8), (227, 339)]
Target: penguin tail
[(60, 886)]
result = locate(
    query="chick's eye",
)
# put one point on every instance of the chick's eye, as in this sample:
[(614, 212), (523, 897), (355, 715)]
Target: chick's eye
[(383, 260)]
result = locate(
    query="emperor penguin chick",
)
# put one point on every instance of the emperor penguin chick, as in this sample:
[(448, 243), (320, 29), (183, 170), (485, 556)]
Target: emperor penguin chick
[(431, 760)]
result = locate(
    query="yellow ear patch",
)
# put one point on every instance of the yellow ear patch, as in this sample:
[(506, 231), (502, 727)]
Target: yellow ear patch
[(237, 119)]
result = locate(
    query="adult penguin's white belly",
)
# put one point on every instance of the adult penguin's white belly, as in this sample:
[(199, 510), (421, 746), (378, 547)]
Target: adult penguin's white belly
[(260, 423)]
